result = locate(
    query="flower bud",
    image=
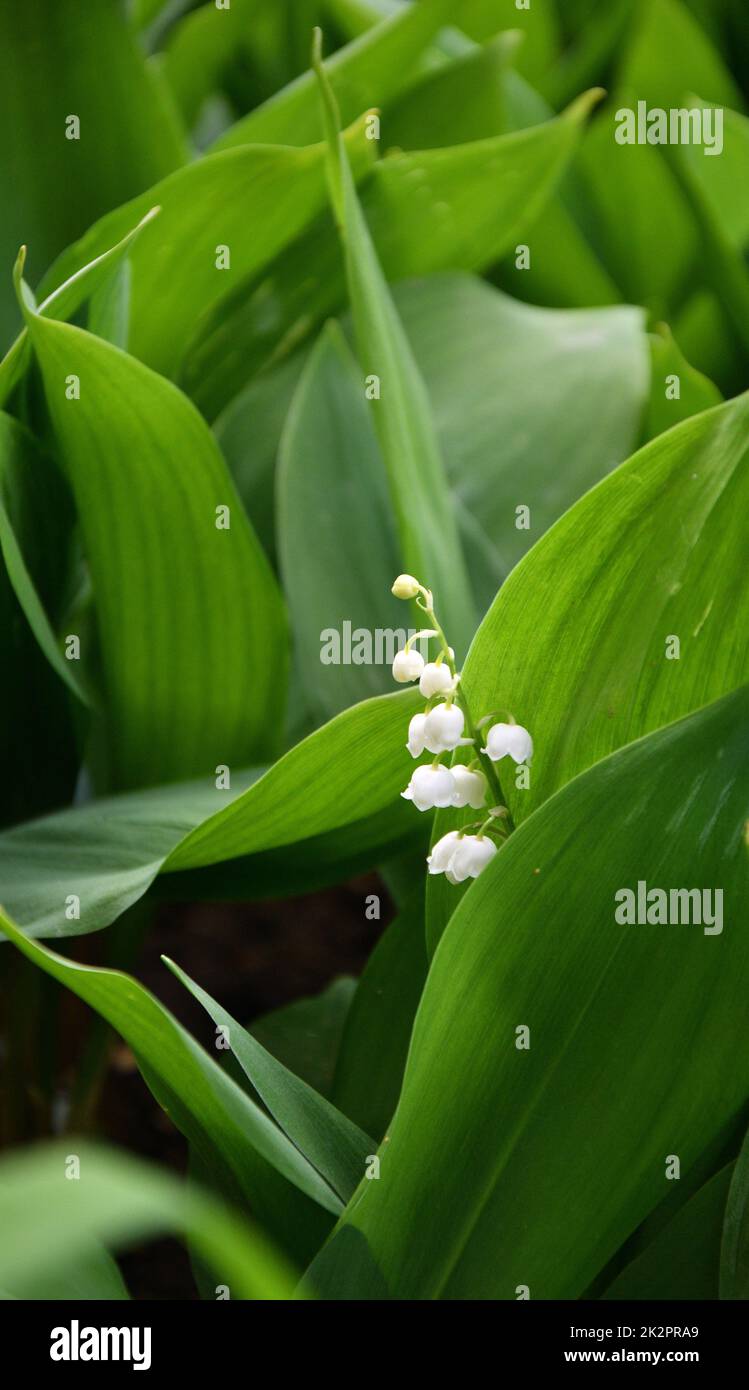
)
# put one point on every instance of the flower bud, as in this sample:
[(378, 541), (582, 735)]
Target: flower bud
[(436, 679), (407, 666), (443, 728), (406, 586), (509, 738), (430, 787)]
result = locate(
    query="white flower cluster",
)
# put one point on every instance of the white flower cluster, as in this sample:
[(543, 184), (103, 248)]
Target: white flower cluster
[(441, 729)]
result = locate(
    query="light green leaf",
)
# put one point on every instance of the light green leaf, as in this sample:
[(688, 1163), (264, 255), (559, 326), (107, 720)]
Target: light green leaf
[(628, 1031), (266, 195), (50, 1221), (244, 1151), (108, 852), (367, 72), (329, 1141), (331, 484), (147, 474), (429, 542)]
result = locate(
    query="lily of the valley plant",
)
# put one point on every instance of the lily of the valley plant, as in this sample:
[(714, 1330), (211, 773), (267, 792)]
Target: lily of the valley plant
[(445, 725)]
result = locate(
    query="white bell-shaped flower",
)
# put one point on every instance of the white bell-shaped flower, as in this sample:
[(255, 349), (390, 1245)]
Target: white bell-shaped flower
[(407, 666), (443, 728), (442, 852), (435, 679), (471, 854), (429, 787), (509, 738), (470, 787), (416, 744)]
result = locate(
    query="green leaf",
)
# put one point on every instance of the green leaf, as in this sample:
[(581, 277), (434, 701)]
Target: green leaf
[(367, 72), (682, 1262), (331, 484), (333, 1145), (541, 1161), (50, 1221), (37, 740), (669, 55), (267, 195), (467, 338), (17, 486), (636, 217), (53, 186), (459, 208), (586, 680), (64, 302), (734, 1253), (696, 392), (108, 852), (93, 1275), (306, 1034), (429, 542), (377, 1032), (146, 472), (245, 1152)]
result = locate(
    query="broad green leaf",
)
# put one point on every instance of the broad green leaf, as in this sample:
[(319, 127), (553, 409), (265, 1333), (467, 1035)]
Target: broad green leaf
[(367, 72), (37, 742), (377, 1031), (682, 1262), (55, 186), (586, 679), (635, 216), (459, 208), (198, 50), (669, 55), (306, 1034), (245, 1152), (108, 852), (50, 1221), (734, 1253), (266, 196), (65, 301), (331, 484), (500, 376), (147, 474), (670, 372), (334, 1146), (542, 1160), (596, 40), (428, 537)]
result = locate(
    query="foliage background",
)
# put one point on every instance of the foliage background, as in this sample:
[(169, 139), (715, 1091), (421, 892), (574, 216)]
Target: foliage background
[(501, 386)]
